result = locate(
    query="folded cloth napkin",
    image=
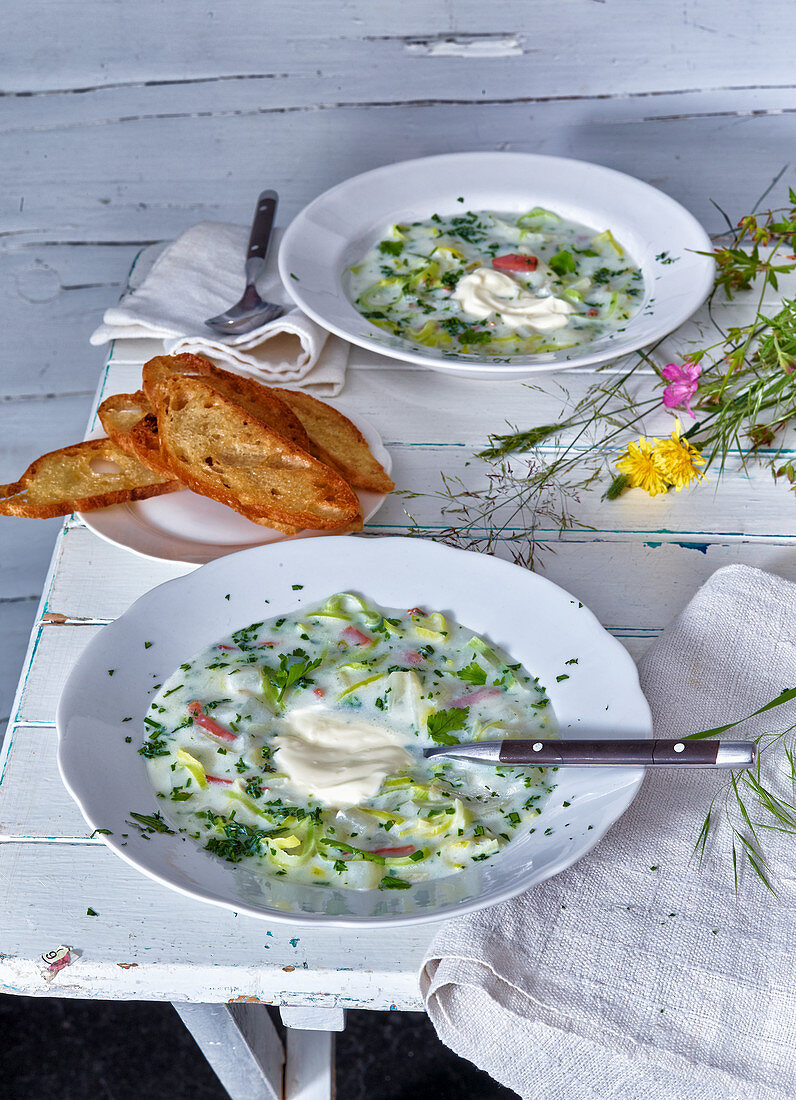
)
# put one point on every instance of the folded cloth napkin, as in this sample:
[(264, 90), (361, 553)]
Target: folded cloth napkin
[(636, 974), (200, 275)]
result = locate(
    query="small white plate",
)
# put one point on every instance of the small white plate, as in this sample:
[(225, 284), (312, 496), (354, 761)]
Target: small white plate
[(536, 622), (185, 527), (338, 227)]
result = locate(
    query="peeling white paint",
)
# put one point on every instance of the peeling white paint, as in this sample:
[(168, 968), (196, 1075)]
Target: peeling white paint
[(474, 46)]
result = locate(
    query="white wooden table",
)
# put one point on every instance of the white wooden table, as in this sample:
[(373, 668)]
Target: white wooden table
[(133, 122), (636, 569)]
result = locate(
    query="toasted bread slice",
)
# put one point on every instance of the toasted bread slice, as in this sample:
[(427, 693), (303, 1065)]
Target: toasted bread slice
[(146, 446), (145, 441), (81, 478), (249, 395), (120, 413), (337, 442), (220, 450)]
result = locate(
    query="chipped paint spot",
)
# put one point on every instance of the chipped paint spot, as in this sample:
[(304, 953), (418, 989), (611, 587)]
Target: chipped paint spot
[(295, 940), (288, 969), (702, 547), (127, 966), (466, 45), (245, 1001)]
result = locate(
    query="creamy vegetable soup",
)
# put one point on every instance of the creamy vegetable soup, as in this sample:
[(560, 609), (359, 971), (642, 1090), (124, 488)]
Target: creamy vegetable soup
[(484, 283), (296, 744)]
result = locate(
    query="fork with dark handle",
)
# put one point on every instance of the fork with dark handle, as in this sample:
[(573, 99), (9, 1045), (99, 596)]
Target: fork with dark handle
[(648, 753), (251, 311)]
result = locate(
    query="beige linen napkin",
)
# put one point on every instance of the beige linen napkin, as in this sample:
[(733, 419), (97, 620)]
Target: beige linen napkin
[(635, 975), (200, 275)]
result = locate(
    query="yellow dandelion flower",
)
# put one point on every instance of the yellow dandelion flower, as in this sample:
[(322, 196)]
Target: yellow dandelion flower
[(677, 461), (638, 464)]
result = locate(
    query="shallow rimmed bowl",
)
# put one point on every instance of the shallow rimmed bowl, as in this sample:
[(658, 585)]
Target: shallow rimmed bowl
[(535, 621)]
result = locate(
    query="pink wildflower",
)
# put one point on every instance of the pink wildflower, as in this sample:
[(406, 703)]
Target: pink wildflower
[(683, 386)]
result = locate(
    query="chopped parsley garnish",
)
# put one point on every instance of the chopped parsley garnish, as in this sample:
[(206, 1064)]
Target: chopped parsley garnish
[(472, 674), (153, 822), (294, 669), (155, 746), (391, 248), (443, 723), (390, 882)]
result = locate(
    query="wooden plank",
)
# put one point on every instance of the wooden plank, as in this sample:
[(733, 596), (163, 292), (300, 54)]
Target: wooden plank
[(425, 43), (745, 505), (56, 650), (150, 943), (17, 618), (53, 296), (242, 1046), (688, 148), (98, 581), (34, 804)]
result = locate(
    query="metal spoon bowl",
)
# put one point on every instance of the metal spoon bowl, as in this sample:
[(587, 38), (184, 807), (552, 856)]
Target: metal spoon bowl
[(251, 311)]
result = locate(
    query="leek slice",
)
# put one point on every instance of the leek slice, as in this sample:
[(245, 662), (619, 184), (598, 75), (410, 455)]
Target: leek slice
[(607, 238), (433, 626), (193, 766), (359, 684), (532, 219), (431, 335), (375, 296), (301, 847)]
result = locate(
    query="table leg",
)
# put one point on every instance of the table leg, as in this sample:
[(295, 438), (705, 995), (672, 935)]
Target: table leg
[(309, 1069), (242, 1046)]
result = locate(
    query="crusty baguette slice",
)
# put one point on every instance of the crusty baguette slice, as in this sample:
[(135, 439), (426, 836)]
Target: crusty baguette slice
[(145, 441), (81, 478), (218, 449), (261, 402), (120, 413), (337, 442)]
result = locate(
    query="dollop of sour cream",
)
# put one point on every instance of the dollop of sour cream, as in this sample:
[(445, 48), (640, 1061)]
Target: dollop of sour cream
[(485, 291), (339, 762)]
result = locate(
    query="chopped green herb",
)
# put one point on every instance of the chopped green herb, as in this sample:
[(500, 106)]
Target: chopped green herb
[(390, 882), (442, 724), (472, 674)]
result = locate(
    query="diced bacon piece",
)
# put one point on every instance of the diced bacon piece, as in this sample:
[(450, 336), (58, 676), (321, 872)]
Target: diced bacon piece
[(413, 658), (222, 646), (318, 693), (209, 725), (473, 697), (218, 779), (406, 850), (351, 634), (515, 261)]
